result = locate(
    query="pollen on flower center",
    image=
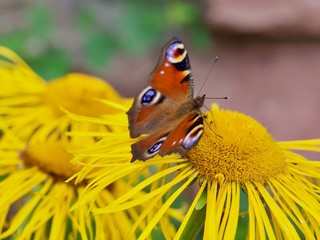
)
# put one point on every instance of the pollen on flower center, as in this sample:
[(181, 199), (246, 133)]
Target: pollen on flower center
[(236, 148), (78, 93), (51, 157)]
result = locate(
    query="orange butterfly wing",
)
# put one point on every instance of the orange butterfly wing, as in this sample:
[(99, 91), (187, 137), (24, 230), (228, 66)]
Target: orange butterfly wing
[(163, 109), (179, 140), (174, 65), (170, 80)]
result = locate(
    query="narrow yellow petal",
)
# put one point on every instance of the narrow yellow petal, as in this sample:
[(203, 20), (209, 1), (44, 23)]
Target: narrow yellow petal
[(149, 207), (164, 208), (212, 220), (27, 209), (292, 211), (287, 228), (232, 224), (256, 209), (305, 145), (123, 203)]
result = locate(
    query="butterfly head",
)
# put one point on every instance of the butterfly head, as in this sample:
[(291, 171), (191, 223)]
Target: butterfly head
[(199, 101)]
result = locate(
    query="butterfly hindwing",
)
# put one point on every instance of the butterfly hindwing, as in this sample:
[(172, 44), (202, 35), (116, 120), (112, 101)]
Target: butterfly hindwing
[(179, 140), (184, 135), (149, 146)]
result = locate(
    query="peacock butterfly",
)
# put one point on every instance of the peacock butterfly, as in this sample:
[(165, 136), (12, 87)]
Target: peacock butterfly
[(166, 109)]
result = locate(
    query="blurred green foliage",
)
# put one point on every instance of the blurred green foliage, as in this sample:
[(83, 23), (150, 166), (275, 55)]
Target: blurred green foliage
[(102, 29)]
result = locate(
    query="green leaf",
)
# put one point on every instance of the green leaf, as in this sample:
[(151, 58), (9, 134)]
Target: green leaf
[(202, 201), (243, 221), (195, 224)]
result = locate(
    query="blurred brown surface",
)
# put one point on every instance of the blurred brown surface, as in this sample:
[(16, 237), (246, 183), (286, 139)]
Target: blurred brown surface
[(278, 83), (273, 18)]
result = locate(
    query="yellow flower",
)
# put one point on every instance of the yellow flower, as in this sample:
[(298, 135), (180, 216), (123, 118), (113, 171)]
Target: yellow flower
[(28, 102), (235, 159), (35, 199), (35, 161)]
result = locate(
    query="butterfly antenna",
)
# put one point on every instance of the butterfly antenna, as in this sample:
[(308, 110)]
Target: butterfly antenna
[(216, 97), (205, 80)]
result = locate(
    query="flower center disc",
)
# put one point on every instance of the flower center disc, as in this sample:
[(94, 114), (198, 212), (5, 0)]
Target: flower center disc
[(78, 93), (51, 157), (236, 148)]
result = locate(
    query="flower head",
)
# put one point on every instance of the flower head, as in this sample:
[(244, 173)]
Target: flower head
[(35, 199), (235, 160), (35, 158), (28, 102), (239, 149)]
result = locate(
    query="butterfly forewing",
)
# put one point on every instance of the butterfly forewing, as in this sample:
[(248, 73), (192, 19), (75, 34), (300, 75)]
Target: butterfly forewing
[(166, 109), (173, 72)]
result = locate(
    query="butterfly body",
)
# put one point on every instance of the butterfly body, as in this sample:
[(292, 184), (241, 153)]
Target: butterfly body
[(166, 109)]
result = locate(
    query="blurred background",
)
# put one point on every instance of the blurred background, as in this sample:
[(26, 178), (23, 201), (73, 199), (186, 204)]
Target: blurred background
[(269, 51)]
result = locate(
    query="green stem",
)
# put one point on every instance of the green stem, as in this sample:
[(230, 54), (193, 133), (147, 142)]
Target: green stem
[(194, 225)]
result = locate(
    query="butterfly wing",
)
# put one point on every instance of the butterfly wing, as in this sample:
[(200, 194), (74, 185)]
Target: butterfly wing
[(179, 140), (172, 76), (170, 82), (166, 109)]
